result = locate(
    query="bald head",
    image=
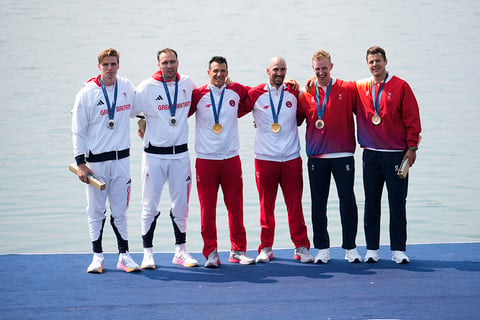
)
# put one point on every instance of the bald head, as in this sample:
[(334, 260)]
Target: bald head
[(276, 70), (276, 61)]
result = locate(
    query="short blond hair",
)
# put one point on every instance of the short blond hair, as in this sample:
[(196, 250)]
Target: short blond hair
[(321, 54), (110, 52)]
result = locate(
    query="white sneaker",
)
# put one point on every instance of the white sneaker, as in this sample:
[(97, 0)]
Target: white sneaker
[(303, 255), (96, 266), (183, 258), (265, 255), (148, 262), (400, 257), (240, 257), (352, 256), (126, 263), (322, 256), (371, 256), (213, 260)]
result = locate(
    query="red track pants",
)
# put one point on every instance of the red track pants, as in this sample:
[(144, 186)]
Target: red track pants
[(269, 174), (210, 175)]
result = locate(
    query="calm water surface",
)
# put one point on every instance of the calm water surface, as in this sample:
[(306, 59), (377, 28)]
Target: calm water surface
[(48, 49)]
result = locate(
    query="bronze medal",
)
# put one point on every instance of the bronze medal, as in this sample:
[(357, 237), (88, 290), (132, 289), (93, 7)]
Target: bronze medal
[(217, 128), (319, 124), (376, 119), (276, 127)]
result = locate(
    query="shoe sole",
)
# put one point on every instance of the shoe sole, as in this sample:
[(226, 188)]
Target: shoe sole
[(212, 265), (151, 267), (404, 261), (233, 260), (264, 260), (96, 271), (129, 269), (181, 263), (371, 260), (321, 261), (297, 257)]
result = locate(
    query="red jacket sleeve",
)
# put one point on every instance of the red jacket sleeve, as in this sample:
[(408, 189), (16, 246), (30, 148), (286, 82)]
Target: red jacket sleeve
[(301, 107), (410, 116), (197, 94), (244, 106)]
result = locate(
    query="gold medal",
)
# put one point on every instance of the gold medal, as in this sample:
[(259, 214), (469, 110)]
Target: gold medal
[(319, 124), (217, 128), (276, 127), (376, 119)]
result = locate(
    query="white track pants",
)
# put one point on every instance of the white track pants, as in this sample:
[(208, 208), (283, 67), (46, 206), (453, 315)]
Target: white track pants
[(116, 175), (155, 173)]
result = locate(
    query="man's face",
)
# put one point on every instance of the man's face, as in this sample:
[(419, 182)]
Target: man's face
[(108, 69), (168, 63), (322, 70), (377, 65), (277, 71), (218, 73)]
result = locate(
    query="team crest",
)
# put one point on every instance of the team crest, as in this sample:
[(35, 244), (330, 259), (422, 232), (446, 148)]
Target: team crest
[(289, 104), (232, 103)]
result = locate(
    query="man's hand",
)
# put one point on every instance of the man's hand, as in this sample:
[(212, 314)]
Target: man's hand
[(293, 83), (84, 172), (310, 82), (411, 156), (142, 125)]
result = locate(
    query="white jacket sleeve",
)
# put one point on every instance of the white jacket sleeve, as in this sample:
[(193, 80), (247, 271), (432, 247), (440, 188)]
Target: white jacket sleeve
[(79, 125)]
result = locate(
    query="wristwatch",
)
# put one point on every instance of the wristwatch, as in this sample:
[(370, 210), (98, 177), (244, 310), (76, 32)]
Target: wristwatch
[(414, 149)]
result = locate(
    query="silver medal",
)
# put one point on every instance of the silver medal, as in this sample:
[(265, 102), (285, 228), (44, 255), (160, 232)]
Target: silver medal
[(110, 124)]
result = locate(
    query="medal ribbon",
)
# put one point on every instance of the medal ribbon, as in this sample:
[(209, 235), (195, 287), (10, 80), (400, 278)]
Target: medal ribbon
[(216, 113), (321, 110), (173, 107), (275, 113), (111, 109), (376, 98)]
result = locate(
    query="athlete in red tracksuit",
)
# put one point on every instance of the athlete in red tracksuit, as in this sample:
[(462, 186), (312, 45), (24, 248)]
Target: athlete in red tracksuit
[(278, 162), (388, 130), (328, 107), (216, 107)]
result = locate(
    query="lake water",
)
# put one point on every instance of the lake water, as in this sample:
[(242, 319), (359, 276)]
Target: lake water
[(48, 49)]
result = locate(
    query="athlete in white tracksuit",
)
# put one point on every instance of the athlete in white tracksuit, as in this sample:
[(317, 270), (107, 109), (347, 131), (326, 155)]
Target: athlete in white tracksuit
[(101, 145), (164, 99)]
